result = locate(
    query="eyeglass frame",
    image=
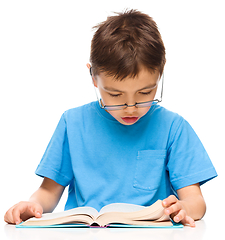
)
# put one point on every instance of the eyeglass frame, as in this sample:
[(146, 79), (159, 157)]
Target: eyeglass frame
[(124, 106)]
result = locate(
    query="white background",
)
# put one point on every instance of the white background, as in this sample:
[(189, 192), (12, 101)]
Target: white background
[(44, 48)]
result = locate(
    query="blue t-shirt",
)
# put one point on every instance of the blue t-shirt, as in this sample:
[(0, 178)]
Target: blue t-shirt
[(104, 161)]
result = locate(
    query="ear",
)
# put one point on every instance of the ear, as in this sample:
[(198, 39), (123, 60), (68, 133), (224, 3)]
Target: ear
[(93, 79), (88, 66)]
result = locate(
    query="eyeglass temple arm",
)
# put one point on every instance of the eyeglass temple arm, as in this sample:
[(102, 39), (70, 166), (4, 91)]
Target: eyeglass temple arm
[(162, 85), (90, 71)]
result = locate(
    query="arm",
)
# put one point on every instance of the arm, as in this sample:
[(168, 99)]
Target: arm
[(190, 206), (44, 199), (48, 195)]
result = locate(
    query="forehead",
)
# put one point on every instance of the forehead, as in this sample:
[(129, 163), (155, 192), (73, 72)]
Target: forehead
[(144, 79)]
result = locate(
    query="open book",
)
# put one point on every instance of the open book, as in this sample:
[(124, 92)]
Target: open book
[(116, 213)]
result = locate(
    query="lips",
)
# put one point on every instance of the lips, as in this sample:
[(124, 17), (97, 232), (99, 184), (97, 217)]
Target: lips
[(129, 119)]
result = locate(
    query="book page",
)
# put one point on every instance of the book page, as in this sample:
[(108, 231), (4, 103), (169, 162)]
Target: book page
[(121, 207), (80, 210), (131, 214)]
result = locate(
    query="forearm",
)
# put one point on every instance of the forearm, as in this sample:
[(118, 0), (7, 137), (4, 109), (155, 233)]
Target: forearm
[(194, 206), (45, 198), (48, 195)]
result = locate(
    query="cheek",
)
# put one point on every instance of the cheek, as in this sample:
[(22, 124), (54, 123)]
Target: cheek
[(143, 111), (115, 114)]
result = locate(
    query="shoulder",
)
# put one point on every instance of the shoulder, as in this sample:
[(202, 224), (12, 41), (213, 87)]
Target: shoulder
[(165, 116), (167, 122), (79, 112)]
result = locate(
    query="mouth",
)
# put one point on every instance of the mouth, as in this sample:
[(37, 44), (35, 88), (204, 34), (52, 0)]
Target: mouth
[(130, 119)]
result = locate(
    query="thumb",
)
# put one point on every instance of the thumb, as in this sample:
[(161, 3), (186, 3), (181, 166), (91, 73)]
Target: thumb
[(37, 210), (38, 214)]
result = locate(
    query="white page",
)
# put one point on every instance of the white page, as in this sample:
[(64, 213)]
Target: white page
[(121, 207), (80, 210)]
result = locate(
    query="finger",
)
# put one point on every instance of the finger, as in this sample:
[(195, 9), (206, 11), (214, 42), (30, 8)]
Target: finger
[(188, 220), (8, 216), (173, 209), (180, 216), (35, 209), (22, 211), (32, 210), (17, 212), (169, 201)]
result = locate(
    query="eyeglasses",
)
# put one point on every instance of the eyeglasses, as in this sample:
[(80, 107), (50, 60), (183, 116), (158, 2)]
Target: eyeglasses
[(137, 105)]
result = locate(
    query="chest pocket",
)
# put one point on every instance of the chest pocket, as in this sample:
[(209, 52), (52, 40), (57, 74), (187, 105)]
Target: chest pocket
[(150, 169)]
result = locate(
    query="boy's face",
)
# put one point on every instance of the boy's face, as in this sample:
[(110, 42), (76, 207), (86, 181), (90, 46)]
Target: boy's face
[(142, 88)]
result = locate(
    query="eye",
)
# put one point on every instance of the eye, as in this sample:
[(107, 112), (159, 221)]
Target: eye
[(115, 95), (145, 93)]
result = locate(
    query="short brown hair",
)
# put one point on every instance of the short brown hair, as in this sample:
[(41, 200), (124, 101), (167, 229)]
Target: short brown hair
[(126, 42)]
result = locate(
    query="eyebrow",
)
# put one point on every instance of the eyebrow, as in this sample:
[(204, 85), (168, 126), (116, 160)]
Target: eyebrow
[(116, 90)]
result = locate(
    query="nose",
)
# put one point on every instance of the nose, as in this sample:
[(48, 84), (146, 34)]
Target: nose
[(130, 109)]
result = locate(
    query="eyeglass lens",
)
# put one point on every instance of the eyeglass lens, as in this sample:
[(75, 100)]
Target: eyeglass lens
[(138, 105)]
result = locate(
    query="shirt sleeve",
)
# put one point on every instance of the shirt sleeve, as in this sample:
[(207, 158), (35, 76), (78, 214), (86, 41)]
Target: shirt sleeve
[(188, 161), (56, 162)]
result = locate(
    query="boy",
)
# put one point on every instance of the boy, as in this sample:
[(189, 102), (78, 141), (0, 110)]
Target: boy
[(124, 147)]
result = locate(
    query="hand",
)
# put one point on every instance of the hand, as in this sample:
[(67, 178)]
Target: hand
[(22, 211), (176, 210)]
